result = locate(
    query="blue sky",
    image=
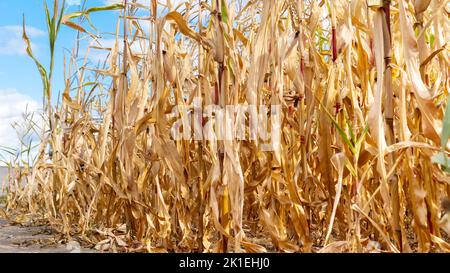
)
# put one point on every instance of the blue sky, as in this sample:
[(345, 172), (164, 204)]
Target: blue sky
[(17, 71), (20, 83)]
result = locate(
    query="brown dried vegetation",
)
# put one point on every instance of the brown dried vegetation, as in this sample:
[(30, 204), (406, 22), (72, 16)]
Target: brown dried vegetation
[(363, 87)]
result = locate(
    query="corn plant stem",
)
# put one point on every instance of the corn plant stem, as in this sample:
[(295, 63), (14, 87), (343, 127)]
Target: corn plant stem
[(333, 32), (301, 102), (221, 102), (125, 30), (48, 106), (123, 89), (389, 118), (200, 143)]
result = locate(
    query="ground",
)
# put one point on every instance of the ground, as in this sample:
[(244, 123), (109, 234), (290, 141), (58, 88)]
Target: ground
[(32, 239)]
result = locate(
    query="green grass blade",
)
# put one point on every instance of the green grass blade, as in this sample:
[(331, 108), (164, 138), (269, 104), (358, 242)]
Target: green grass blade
[(338, 127), (41, 69), (446, 126)]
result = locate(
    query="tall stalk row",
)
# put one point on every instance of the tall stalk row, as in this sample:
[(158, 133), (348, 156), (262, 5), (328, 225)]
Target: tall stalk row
[(357, 88)]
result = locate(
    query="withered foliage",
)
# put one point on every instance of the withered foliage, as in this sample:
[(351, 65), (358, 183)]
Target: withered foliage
[(363, 87)]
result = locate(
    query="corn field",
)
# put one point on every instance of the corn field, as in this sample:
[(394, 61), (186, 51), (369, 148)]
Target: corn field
[(360, 163)]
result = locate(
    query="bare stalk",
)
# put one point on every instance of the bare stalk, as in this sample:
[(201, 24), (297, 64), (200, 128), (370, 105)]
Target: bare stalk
[(200, 143), (333, 31), (389, 118), (220, 101)]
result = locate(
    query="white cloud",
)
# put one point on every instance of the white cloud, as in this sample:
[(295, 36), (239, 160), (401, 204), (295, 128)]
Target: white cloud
[(31, 31), (13, 105), (146, 2), (73, 2), (11, 42), (110, 2)]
